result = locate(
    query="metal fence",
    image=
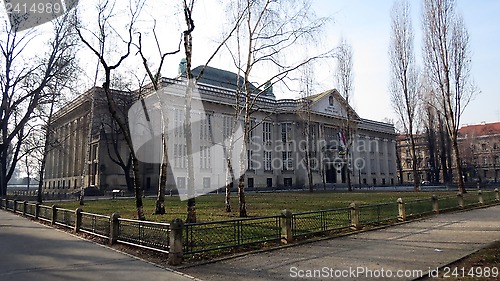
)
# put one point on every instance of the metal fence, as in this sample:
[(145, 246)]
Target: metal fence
[(218, 235), (378, 213), (45, 213), (417, 208), (145, 234), (210, 236), (65, 217), (95, 224), (307, 223)]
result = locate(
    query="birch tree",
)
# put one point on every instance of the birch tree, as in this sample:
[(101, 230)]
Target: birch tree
[(448, 63), (345, 78), (404, 87), (267, 32)]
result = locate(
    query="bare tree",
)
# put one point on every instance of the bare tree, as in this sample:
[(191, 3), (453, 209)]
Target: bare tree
[(267, 31), (405, 94), (155, 81), (305, 114), (25, 80), (447, 59), (105, 14), (345, 75)]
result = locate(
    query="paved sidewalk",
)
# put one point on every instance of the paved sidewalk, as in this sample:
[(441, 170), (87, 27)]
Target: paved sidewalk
[(421, 245), (31, 251)]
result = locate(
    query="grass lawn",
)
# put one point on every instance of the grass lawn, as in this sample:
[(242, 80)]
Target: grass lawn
[(211, 207)]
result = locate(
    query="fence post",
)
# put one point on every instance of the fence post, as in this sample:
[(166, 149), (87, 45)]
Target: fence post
[(25, 208), (355, 216), (37, 210), (15, 206), (175, 242), (114, 228), (78, 220), (460, 200), (497, 196), (480, 195), (286, 226), (54, 214), (1, 203), (401, 210), (435, 204)]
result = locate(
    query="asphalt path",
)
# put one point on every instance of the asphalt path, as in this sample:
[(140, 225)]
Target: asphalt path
[(32, 251)]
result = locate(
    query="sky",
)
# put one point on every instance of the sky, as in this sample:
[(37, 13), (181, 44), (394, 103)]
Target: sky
[(365, 24)]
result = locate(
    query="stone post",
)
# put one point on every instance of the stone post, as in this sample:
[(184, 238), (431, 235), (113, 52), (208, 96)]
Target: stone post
[(175, 241), (435, 204), (25, 208), (355, 216), (114, 228), (497, 196), (401, 210), (480, 195), (54, 215), (460, 197), (286, 227), (78, 220)]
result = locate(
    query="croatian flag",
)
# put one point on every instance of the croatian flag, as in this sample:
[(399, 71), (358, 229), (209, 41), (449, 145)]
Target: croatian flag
[(342, 141)]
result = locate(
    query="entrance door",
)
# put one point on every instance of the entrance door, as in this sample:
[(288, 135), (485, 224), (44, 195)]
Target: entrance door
[(330, 173)]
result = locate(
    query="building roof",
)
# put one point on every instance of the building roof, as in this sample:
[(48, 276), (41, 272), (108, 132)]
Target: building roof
[(478, 130), (225, 79)]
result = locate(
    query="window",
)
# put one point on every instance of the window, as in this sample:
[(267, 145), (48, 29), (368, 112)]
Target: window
[(269, 182), (250, 163), (205, 130), (181, 183), (287, 160), (178, 122), (330, 100), (180, 153), (483, 147), (250, 183), (266, 132), (286, 129), (330, 133), (206, 182), (268, 158), (287, 182), (205, 162), (227, 126)]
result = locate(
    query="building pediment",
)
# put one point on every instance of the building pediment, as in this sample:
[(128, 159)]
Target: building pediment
[(331, 103)]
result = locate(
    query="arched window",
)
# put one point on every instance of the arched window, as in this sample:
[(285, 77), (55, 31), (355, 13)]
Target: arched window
[(330, 100)]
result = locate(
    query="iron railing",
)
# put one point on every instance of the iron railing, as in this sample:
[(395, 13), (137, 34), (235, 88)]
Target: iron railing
[(94, 224), (378, 213), (307, 223), (150, 235), (216, 235)]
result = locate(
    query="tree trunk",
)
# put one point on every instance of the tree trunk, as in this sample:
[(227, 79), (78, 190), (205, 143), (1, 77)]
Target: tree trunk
[(137, 189), (458, 164), (160, 199)]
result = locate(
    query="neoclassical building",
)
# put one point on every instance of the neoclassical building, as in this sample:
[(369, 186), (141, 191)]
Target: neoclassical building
[(279, 151)]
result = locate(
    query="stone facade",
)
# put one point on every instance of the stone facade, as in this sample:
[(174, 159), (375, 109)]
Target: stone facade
[(276, 151)]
